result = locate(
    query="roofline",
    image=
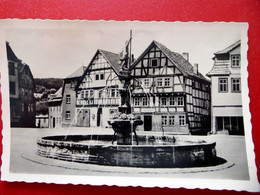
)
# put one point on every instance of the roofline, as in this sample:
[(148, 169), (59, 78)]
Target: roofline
[(147, 49), (232, 47)]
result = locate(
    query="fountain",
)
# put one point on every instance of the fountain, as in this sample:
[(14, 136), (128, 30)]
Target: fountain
[(130, 149)]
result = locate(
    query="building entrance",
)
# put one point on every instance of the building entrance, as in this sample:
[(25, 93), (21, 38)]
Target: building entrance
[(83, 118), (147, 123)]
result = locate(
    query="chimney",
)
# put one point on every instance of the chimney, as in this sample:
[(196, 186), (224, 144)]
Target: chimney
[(195, 68), (186, 56)]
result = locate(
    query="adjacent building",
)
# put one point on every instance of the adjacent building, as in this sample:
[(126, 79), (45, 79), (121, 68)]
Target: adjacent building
[(55, 110), (97, 96), (21, 86), (69, 98), (226, 91), (170, 94)]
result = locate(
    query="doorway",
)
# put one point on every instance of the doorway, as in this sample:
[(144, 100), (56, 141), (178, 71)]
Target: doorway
[(148, 123), (99, 117), (53, 122)]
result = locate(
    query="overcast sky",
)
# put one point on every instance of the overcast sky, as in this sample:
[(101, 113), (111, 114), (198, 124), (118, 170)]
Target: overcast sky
[(58, 48)]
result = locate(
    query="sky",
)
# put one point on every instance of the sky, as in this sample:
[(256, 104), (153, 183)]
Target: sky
[(58, 48)]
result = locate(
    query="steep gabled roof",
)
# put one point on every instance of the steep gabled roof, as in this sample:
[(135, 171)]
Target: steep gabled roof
[(229, 48), (177, 59), (10, 53), (112, 59), (77, 73)]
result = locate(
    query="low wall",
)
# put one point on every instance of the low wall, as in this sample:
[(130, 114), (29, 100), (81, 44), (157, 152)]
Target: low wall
[(187, 154)]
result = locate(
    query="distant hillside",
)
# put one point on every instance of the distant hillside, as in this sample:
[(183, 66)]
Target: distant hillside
[(43, 84)]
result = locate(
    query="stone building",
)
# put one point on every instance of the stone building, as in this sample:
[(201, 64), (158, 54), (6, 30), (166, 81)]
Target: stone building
[(21, 85), (69, 97), (226, 91)]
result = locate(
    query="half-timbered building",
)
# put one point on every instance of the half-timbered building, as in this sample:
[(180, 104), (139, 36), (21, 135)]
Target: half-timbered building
[(227, 115), (170, 94), (97, 97)]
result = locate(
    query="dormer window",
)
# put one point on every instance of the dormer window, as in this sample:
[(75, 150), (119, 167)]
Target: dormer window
[(154, 62), (235, 61)]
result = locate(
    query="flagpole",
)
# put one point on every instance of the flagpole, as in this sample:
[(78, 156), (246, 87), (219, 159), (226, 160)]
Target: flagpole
[(130, 57)]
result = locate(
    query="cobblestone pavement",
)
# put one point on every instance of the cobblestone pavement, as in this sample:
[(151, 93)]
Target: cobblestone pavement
[(23, 159)]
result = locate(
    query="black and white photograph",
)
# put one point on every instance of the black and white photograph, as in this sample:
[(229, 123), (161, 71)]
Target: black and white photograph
[(152, 104)]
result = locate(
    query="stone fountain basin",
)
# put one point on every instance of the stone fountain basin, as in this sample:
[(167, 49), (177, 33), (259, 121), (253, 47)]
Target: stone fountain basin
[(152, 151)]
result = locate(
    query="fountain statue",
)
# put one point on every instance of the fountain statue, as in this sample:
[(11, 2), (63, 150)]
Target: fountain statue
[(124, 123)]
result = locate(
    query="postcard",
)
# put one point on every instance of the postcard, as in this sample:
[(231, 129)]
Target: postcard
[(151, 104)]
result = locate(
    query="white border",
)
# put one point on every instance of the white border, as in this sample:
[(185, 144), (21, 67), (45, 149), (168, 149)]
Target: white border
[(216, 184)]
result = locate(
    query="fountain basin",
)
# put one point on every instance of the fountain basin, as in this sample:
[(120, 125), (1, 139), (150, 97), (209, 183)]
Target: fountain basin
[(97, 149)]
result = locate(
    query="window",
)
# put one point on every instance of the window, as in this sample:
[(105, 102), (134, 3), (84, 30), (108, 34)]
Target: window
[(146, 82), (163, 101), (167, 82), (113, 92), (235, 60), (86, 94), (100, 94), (235, 84), (182, 120), (68, 99), (180, 101), (29, 108), (11, 68), (159, 82), (145, 101), (91, 93), (32, 107), (164, 120), (154, 62), (171, 101), (12, 87), (223, 85), (137, 101), (97, 76), (82, 94), (171, 120), (67, 115), (101, 76)]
